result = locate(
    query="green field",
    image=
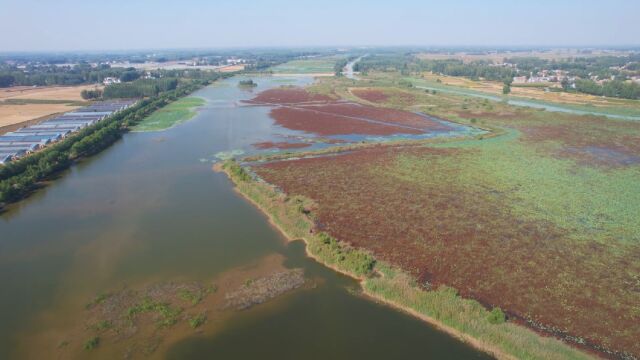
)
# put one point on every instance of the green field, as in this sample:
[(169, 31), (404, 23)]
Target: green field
[(171, 115), (309, 66)]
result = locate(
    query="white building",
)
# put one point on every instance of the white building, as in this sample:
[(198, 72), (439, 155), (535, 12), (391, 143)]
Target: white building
[(519, 79), (110, 80)]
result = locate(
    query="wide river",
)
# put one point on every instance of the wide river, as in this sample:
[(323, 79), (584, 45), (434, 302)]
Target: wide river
[(149, 209)]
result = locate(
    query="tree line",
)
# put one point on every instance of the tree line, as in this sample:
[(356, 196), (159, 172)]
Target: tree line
[(617, 68), (409, 64), (139, 88), (612, 88), (21, 177), (43, 75)]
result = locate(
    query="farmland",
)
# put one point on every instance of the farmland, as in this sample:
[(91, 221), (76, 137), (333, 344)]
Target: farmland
[(22, 104), (324, 65), (538, 217)]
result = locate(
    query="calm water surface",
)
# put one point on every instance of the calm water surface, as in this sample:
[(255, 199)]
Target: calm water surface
[(148, 209)]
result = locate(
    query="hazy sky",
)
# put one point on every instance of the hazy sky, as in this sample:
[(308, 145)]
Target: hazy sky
[(144, 24)]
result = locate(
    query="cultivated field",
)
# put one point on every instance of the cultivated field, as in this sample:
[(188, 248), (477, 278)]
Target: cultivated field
[(57, 93), (538, 217), (318, 66), (22, 105), (231, 68)]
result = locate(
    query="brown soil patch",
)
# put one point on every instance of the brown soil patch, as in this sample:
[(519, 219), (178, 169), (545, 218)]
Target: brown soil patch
[(17, 114), (380, 96), (325, 124), (231, 68), (23, 114), (319, 114), (71, 93), (383, 115), (496, 115), (372, 95), (280, 145), (288, 96)]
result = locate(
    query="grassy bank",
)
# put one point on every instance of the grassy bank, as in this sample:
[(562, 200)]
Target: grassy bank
[(170, 115), (443, 307)]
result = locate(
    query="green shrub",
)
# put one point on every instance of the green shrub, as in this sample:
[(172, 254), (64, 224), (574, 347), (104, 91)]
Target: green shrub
[(92, 343), (237, 172), (496, 316), (103, 325), (197, 320), (193, 298)]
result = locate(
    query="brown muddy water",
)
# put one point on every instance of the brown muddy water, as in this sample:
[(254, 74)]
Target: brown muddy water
[(149, 210)]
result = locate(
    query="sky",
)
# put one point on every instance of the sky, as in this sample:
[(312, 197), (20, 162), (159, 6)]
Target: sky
[(74, 25)]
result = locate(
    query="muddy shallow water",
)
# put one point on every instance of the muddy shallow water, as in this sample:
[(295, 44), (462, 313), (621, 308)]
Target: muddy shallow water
[(149, 210)]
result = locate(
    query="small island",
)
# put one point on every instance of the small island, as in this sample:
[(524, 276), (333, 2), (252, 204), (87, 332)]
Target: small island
[(247, 83)]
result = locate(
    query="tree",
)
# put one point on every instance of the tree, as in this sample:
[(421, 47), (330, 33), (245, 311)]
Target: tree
[(506, 89), (91, 94), (6, 80), (128, 76), (496, 316), (565, 84)]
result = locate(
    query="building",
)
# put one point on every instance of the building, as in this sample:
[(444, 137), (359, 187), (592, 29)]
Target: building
[(110, 80), (519, 79)]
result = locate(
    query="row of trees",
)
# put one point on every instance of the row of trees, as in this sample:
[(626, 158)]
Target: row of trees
[(91, 94), (57, 75), (613, 88), (139, 88), (473, 70), (604, 67), (85, 74), (407, 64), (601, 66), (21, 177)]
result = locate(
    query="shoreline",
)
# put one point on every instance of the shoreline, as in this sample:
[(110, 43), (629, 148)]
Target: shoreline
[(479, 344)]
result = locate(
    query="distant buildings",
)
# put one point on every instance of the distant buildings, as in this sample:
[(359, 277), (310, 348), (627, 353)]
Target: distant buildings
[(110, 80), (234, 61)]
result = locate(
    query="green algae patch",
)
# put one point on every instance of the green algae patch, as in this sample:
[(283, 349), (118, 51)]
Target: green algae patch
[(173, 114)]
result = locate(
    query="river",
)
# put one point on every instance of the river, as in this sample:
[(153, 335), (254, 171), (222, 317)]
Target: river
[(528, 103), (149, 209), (348, 69)]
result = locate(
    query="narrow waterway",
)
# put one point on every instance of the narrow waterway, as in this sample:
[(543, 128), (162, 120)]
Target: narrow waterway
[(348, 69), (151, 209), (528, 103)]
